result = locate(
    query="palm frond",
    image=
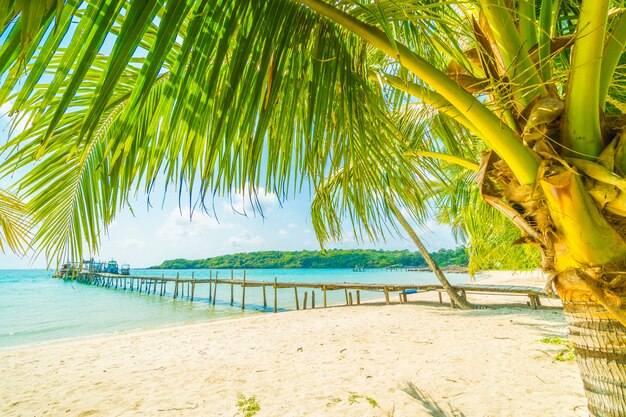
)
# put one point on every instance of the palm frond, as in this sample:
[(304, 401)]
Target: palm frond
[(131, 121), (15, 224)]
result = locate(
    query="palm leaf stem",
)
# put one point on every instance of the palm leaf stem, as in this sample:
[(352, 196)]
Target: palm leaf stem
[(527, 21), (582, 105), (457, 160), (616, 40), (522, 161), (432, 98), (544, 38), (514, 51)]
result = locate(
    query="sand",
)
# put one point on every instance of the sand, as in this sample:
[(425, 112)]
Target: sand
[(342, 361)]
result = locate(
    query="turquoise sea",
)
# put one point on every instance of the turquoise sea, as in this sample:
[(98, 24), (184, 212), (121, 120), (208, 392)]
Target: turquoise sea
[(35, 308)]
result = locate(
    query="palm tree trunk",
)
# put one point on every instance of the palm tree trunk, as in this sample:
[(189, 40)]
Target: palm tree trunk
[(599, 338), (454, 296)]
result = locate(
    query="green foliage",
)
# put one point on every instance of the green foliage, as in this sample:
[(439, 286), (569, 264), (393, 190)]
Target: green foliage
[(336, 258), (247, 407), (354, 397), (565, 355), (14, 224), (552, 340)]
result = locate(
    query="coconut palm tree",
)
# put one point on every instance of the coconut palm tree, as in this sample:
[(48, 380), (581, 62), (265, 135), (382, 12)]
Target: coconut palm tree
[(215, 95)]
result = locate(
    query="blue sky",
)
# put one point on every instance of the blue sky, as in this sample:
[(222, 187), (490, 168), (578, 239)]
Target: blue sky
[(153, 235)]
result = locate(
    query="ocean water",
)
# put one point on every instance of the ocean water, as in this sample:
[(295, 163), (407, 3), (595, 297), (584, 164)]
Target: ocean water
[(35, 308)]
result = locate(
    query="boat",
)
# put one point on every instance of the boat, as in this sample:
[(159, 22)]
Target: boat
[(93, 266), (66, 270), (111, 267), (125, 270)]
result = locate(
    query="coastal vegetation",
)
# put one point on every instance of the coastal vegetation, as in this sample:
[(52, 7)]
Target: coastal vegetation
[(381, 109), (334, 258)]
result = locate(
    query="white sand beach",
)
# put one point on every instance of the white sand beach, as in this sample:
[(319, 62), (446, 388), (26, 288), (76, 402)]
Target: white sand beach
[(342, 361)]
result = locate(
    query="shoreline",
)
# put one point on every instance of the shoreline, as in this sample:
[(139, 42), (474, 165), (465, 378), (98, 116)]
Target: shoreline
[(322, 362), (533, 277)]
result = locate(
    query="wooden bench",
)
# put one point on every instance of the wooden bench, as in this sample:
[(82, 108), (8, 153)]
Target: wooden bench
[(533, 293)]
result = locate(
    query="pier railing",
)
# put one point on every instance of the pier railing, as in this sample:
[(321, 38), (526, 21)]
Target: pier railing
[(185, 287)]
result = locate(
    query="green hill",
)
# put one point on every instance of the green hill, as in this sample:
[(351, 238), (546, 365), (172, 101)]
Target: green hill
[(335, 258)]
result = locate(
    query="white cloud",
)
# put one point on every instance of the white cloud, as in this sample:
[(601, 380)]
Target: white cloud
[(130, 242), (245, 238), (348, 238), (179, 227), (292, 225), (283, 233), (246, 202)]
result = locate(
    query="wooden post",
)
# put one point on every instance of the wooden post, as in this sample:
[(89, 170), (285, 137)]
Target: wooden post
[(400, 297), (350, 297), (243, 291), (155, 285), (132, 283), (193, 285), (275, 296), (210, 285), (386, 295), (312, 299), (324, 289), (232, 291), (162, 285), (140, 285), (440, 299), (358, 297), (264, 298), (304, 303), (347, 301), (295, 289), (176, 285), (404, 296), (215, 287)]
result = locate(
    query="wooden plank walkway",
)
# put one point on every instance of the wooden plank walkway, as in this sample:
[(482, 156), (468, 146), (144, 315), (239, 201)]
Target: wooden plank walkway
[(154, 284)]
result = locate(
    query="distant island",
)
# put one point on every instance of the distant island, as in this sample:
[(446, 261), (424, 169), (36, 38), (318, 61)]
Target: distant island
[(334, 258)]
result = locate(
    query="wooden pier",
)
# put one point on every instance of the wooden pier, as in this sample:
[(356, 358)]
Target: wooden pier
[(186, 288)]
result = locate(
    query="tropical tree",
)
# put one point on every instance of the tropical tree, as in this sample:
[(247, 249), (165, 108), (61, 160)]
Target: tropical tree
[(218, 95)]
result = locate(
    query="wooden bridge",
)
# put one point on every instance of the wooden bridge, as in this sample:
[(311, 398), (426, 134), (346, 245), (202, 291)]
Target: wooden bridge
[(186, 288)]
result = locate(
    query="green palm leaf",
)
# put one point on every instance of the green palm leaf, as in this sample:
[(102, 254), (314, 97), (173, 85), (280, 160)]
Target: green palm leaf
[(14, 224)]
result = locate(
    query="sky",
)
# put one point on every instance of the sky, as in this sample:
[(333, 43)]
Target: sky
[(145, 237)]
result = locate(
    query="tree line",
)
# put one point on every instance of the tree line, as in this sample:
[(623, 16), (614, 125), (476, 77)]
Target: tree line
[(335, 258)]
